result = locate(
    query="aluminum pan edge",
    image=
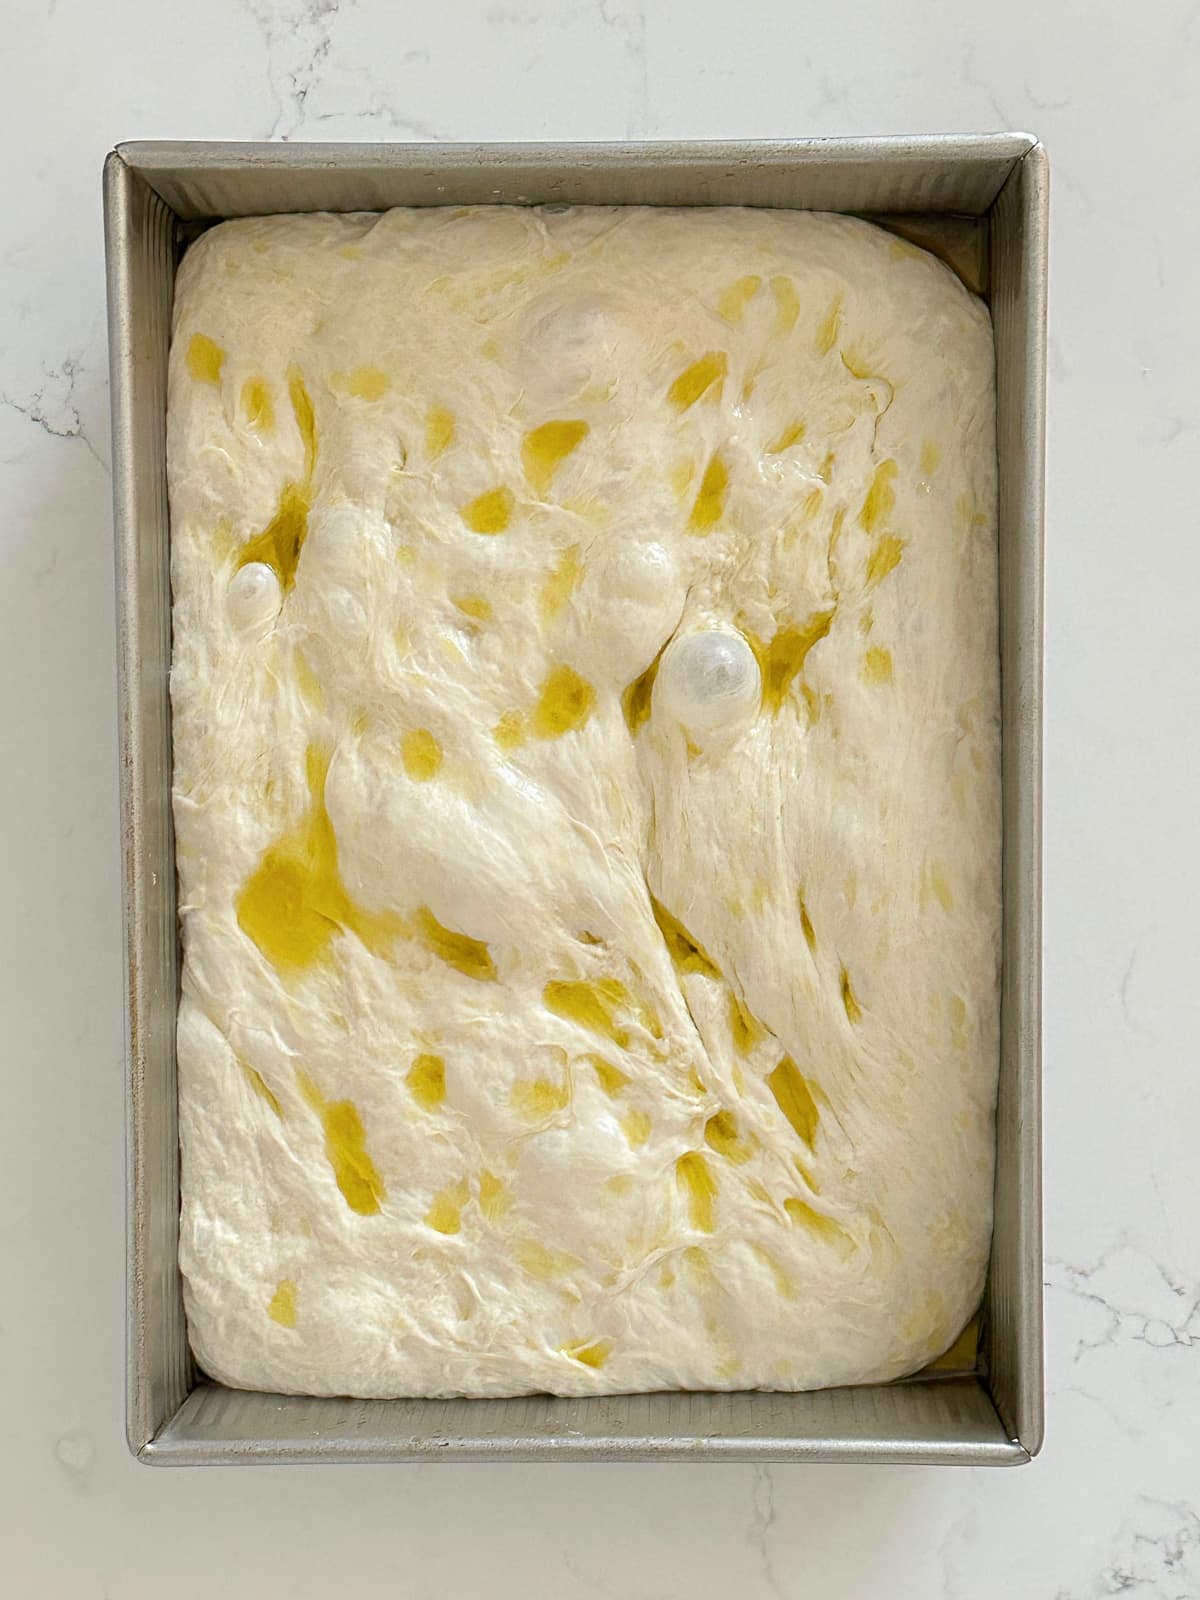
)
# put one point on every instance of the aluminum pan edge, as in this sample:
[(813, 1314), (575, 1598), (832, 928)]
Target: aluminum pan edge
[(139, 232), (939, 172), (954, 1425), (950, 1422), (1019, 305)]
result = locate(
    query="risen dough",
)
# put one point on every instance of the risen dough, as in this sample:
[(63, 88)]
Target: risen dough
[(531, 1038)]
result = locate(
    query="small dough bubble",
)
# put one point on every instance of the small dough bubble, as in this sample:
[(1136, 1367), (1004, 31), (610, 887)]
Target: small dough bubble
[(255, 596), (708, 679)]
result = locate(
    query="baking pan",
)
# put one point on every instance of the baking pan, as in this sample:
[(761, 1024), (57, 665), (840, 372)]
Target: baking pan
[(983, 201)]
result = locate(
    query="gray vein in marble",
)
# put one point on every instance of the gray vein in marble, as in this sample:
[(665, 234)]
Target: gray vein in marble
[(53, 408), (597, 1585), (972, 77), (1128, 1010), (1041, 104), (630, 23), (1129, 1429), (298, 38), (1156, 1552), (377, 104), (1173, 1323)]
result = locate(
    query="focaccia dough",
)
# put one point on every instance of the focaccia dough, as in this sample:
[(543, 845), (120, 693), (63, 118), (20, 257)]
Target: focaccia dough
[(531, 1037)]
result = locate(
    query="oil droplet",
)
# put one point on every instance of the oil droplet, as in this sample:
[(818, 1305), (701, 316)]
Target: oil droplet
[(831, 323), (426, 1080), (806, 922), (849, 999), (782, 659), (787, 303), (685, 952), (681, 475), (205, 358), (721, 1133), (346, 1150), (880, 499), (596, 1003), (939, 886), (469, 956), (733, 301), (544, 449), (744, 1026), (967, 514), (791, 435), (307, 682), (294, 903), (594, 1354), (421, 755), (368, 383), (258, 406), (861, 367), (565, 703), (445, 1214), (475, 606), (281, 1307), (877, 665), (536, 1099), (259, 1084), (958, 1022), (490, 512), (696, 380), (638, 696), (817, 1222), (534, 1258), (806, 1176), (439, 431), (560, 584), (636, 1127), (784, 1287), (494, 1198), (963, 1354), (884, 558), (709, 505), (281, 541), (794, 1098), (696, 1179), (612, 1080), (509, 732), (306, 422)]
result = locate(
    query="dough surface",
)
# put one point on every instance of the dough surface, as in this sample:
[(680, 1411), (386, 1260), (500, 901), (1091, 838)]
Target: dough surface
[(532, 1038)]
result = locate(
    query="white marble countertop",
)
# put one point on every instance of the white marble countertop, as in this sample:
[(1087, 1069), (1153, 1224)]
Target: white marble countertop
[(1113, 1504)]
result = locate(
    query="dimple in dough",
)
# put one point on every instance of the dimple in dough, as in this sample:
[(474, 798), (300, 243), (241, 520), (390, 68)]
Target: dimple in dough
[(544, 1028)]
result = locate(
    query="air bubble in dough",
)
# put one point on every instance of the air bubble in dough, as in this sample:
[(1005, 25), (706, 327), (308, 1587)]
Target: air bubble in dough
[(708, 679), (254, 595)]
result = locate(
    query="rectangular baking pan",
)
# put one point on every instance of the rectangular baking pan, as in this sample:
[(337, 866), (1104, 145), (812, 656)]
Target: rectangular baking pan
[(980, 200)]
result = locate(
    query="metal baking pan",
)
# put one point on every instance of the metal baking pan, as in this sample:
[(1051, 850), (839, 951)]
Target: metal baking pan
[(983, 200)]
